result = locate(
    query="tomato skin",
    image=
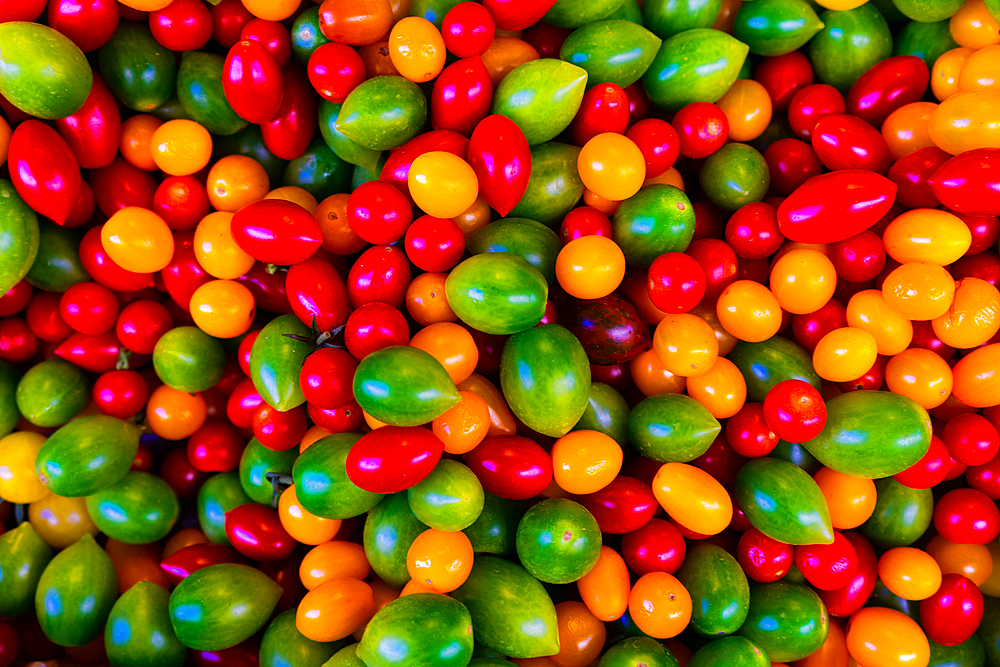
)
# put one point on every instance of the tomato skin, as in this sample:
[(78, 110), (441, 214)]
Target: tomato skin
[(252, 81), (623, 506), (104, 270), (93, 131), (886, 86), (783, 76), (183, 25), (951, 615), (317, 294), (762, 558), (511, 467), (44, 170), (120, 184), (702, 129), (846, 600), (517, 14), (967, 516), (461, 96), (335, 70), (273, 35), (275, 231), (381, 273), (967, 182), (396, 170), (810, 105), (393, 458), (911, 174), (812, 215), (846, 142), (256, 532), (288, 134), (499, 155)]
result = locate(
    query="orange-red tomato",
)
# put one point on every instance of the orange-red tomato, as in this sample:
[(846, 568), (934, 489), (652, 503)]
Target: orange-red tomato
[(749, 311), (442, 184), (501, 420), (611, 166), (748, 109), (338, 237), (335, 609), (474, 218), (223, 308), (181, 147), (173, 414), (693, 498), (216, 249), (659, 605), (832, 652), (184, 537), (581, 635), (426, 301), (355, 22), (463, 426), (136, 562), (977, 377), (803, 281), (452, 345), (590, 267), (685, 344), (651, 377), (881, 637), (905, 130), (136, 138), (851, 499), (333, 560), (235, 181), (440, 559), (505, 53), (300, 523), (416, 49), (606, 587), (845, 354), (920, 375), (919, 291), (974, 316), (927, 235), (723, 389), (910, 573), (585, 461), (138, 240), (868, 310), (969, 560)]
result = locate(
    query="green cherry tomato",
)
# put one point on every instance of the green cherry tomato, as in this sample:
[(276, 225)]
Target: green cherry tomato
[(776, 27), (671, 427), (322, 484), (87, 455), (720, 593), (319, 171), (188, 359), (901, 514), (139, 631), (529, 240), (636, 652), (735, 175), (558, 541), (256, 461), (52, 392), (57, 264), (497, 292), (139, 70), (607, 412), (422, 629), (927, 11), (450, 498), (383, 113), (849, 44), (140, 508), (612, 51), (9, 413), (23, 557), (345, 148), (656, 220), (769, 362), (284, 646), (732, 652), (554, 187), (199, 87), (696, 65), (403, 386), (276, 362), (494, 532), (390, 529), (788, 621), (969, 653), (667, 18), (542, 96), (306, 34), (924, 40), (18, 235), (782, 501), (576, 13), (42, 72)]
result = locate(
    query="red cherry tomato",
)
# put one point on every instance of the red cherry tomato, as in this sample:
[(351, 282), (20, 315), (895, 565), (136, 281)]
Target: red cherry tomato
[(658, 141), (396, 170), (121, 184), (327, 376), (811, 104), (784, 76), (16, 299), (952, 615), (656, 547), (181, 201), (89, 308), (604, 109), (886, 86), (967, 516), (971, 439), (183, 25), (846, 600), (273, 35), (753, 232), (461, 96), (434, 244), (335, 70), (188, 560), (795, 410), (44, 318), (930, 470), (88, 23), (719, 263), (676, 282), (120, 394), (969, 182), (288, 133), (256, 532), (511, 467), (215, 447), (702, 129), (44, 170), (228, 19), (828, 566), (276, 231), (279, 431), (373, 326), (762, 558), (378, 213), (141, 324), (498, 152), (317, 294), (623, 506), (468, 29), (859, 258), (748, 432), (252, 81), (584, 221), (910, 174), (391, 459), (721, 461), (791, 163), (832, 207), (242, 404), (846, 142), (381, 273), (17, 341), (517, 14)]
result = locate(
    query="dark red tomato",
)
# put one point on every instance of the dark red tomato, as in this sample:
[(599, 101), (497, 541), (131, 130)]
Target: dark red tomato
[(88, 23), (192, 558), (859, 258), (184, 274), (952, 615), (335, 70), (327, 377), (985, 478), (183, 25), (273, 35), (709, 221), (279, 431), (17, 341), (656, 547), (181, 201), (791, 163), (623, 506), (347, 417), (490, 347), (784, 76), (10, 644), (873, 378), (795, 410), (397, 166), (828, 566), (89, 308), (242, 404), (276, 231), (970, 182), (143, 459), (391, 459), (985, 230), (381, 273), (288, 134), (434, 244), (93, 131), (228, 19), (618, 376), (317, 294), (584, 221), (955, 469), (120, 184), (44, 170), (809, 329), (16, 299), (105, 271), (498, 152), (546, 38), (639, 106), (910, 174), (846, 600), (676, 282), (832, 207), (244, 654), (44, 318), (285, 573), (971, 439), (180, 476), (748, 433), (551, 315), (120, 394), (762, 558), (604, 109), (719, 263), (985, 265), (720, 461), (243, 352), (846, 142), (658, 141), (256, 532), (84, 208), (373, 326), (811, 104), (378, 213), (967, 516), (267, 287), (753, 232), (511, 466), (461, 96), (141, 324), (702, 129), (215, 447), (759, 270), (517, 14), (252, 82), (468, 30), (886, 86), (98, 354)]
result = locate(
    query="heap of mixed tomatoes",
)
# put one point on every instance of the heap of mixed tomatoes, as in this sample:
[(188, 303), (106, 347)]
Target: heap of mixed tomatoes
[(567, 333)]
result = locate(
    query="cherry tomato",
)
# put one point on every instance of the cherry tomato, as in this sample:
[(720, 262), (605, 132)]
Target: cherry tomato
[(702, 129), (828, 566)]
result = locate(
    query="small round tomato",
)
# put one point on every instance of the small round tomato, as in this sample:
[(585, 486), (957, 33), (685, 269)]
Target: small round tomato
[(334, 610), (749, 311), (181, 201), (175, 415), (922, 376), (335, 70), (858, 258), (686, 345), (138, 240), (869, 310), (136, 139), (658, 141), (702, 129), (910, 573), (753, 232), (590, 267), (803, 281), (417, 49), (585, 461), (463, 426), (795, 410), (604, 109), (810, 105), (844, 354), (919, 290), (235, 181), (656, 547), (828, 566), (89, 308), (783, 76), (581, 635), (378, 213), (584, 221), (434, 244), (791, 163), (676, 282), (442, 560), (722, 389), (952, 614), (882, 636), (181, 147), (183, 25), (967, 516), (851, 499), (120, 394), (660, 605), (468, 29), (611, 166), (511, 467), (223, 308), (748, 109), (442, 184), (141, 324)]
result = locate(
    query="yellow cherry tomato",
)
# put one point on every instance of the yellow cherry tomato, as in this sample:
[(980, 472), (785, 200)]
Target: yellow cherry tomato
[(920, 375), (748, 109), (272, 10), (173, 414), (693, 498), (439, 559), (19, 482), (294, 193), (585, 461), (660, 605), (881, 637), (452, 345), (147, 5), (973, 26), (974, 316), (138, 240), (606, 587), (722, 389), (235, 181), (443, 185), (981, 71), (845, 354), (905, 130), (334, 610), (611, 166), (851, 499), (590, 267), (803, 281), (910, 573), (841, 5), (416, 49), (977, 377), (581, 635), (919, 291), (216, 249), (969, 560), (301, 524), (463, 426), (749, 311), (61, 521), (685, 344), (966, 121), (181, 147), (947, 71), (136, 138), (335, 559), (651, 377), (991, 586), (927, 235), (868, 310), (426, 301), (223, 308)]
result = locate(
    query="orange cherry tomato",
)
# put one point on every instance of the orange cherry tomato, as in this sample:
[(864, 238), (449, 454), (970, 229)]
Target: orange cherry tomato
[(413, 586), (426, 301), (136, 140), (651, 377), (501, 420), (440, 559), (585, 461), (981, 70), (463, 426), (5, 133), (376, 58), (338, 237), (927, 235), (749, 311), (216, 249), (659, 605), (606, 587), (634, 286), (881, 637), (581, 635), (973, 26), (173, 414), (372, 422), (803, 281), (685, 344), (851, 499), (474, 218), (223, 308), (138, 240), (693, 498), (611, 166), (355, 22), (442, 184), (977, 377), (272, 10), (335, 609), (181, 147), (966, 121), (333, 560), (947, 72), (905, 130), (313, 435), (723, 389), (969, 560), (832, 652), (669, 177), (147, 5), (974, 316), (919, 291), (590, 267), (910, 573), (452, 345), (726, 340), (505, 53), (294, 193), (920, 375), (61, 521), (748, 109), (19, 482), (184, 537), (136, 562), (602, 204), (416, 49), (235, 181), (845, 354), (303, 525), (869, 311)]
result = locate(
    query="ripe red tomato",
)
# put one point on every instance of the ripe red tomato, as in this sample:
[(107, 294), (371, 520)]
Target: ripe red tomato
[(656, 547)]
